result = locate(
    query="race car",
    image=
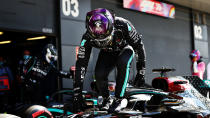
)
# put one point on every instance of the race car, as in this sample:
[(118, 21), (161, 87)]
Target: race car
[(191, 88), (170, 97)]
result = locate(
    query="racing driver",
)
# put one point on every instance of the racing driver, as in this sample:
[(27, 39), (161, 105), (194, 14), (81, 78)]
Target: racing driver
[(118, 42)]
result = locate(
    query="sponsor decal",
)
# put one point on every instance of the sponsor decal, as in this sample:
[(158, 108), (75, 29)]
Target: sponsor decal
[(151, 7), (82, 72), (39, 71), (81, 53)]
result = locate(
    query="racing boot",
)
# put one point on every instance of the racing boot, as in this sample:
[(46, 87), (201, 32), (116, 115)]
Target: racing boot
[(118, 104), (139, 81), (107, 102)]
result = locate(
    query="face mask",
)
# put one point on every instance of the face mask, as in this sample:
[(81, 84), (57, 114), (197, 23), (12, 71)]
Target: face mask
[(26, 57)]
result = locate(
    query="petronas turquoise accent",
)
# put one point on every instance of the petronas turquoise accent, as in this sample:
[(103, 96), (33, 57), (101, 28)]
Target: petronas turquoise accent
[(126, 76), (83, 42), (95, 102), (129, 28), (42, 117), (58, 111)]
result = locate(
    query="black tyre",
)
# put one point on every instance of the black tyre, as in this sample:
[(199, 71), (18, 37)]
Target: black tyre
[(37, 111)]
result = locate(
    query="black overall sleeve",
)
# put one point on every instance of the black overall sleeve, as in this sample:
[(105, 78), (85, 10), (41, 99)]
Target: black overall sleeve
[(135, 40), (81, 67)]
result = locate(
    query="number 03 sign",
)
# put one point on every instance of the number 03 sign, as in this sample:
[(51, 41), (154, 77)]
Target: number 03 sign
[(70, 7)]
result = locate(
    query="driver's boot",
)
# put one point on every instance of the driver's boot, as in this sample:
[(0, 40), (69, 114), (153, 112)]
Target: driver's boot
[(139, 82), (118, 104), (107, 102)]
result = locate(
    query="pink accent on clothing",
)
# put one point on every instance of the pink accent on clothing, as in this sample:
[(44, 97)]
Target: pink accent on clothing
[(201, 70)]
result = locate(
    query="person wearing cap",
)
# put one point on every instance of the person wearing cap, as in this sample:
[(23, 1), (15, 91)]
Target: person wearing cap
[(198, 66)]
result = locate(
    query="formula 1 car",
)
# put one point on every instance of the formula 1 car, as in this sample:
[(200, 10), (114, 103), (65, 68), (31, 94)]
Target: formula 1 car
[(169, 97), (192, 89), (142, 102)]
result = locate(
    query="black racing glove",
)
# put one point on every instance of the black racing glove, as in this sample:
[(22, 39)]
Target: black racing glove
[(78, 100), (139, 80), (78, 104), (65, 74)]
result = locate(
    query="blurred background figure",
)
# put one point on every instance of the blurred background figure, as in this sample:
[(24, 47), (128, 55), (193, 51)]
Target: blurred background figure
[(21, 75), (6, 85), (22, 65), (33, 75), (38, 75), (198, 66)]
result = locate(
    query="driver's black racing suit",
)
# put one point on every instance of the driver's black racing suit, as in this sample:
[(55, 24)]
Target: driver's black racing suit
[(119, 53)]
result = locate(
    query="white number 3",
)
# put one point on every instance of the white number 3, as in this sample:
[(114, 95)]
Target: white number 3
[(66, 7)]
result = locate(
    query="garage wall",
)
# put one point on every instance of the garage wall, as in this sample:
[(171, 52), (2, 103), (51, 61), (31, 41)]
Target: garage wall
[(72, 18), (208, 33), (28, 15)]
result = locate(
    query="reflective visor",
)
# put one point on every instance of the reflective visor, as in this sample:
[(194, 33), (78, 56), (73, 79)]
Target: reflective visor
[(98, 25)]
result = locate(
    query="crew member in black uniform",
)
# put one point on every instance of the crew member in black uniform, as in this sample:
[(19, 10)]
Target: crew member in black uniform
[(40, 75), (21, 68), (118, 42)]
